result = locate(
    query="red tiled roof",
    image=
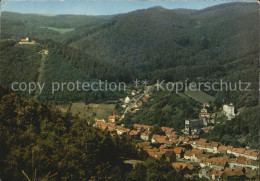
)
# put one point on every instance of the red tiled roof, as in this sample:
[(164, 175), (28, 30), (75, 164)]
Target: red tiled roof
[(238, 150), (196, 151), (24, 40), (133, 133), (139, 126), (145, 144), (179, 165), (167, 130), (139, 103), (146, 133), (219, 161), (217, 173), (178, 150), (134, 111), (112, 125), (113, 117), (251, 152), (222, 148), (144, 99), (201, 142), (188, 153), (229, 147), (191, 142)]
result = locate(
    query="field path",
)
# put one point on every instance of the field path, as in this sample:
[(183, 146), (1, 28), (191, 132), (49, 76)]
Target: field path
[(40, 72)]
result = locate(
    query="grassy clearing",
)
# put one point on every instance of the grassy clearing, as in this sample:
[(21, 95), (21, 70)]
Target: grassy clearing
[(199, 96), (60, 30), (100, 111)]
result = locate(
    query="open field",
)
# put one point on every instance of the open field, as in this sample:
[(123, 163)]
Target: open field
[(199, 96), (60, 30), (100, 111)]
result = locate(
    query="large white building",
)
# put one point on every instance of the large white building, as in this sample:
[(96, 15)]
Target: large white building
[(229, 111)]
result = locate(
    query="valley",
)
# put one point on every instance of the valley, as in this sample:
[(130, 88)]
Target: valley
[(139, 132)]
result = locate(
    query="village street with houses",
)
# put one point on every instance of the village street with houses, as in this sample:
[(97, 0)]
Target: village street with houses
[(187, 152)]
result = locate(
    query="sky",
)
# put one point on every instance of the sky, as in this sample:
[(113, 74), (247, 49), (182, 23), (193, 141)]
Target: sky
[(97, 7)]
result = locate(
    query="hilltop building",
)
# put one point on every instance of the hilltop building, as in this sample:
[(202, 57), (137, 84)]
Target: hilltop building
[(27, 41)]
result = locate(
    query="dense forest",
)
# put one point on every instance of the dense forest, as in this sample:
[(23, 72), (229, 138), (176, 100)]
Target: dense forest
[(39, 142), (166, 109), (239, 132)]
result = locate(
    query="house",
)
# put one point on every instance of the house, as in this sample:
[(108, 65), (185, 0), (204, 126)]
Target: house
[(201, 144), (100, 124), (27, 41), (229, 149), (212, 147), (133, 111), (218, 163), (244, 162), (113, 118), (238, 151), (179, 151), (144, 145), (172, 136), (222, 149), (251, 154), (237, 172), (154, 152), (229, 111), (122, 131), (167, 131), (186, 140), (159, 139), (146, 135), (111, 125), (180, 166), (187, 155), (139, 103), (140, 126), (196, 155), (134, 133), (216, 175), (167, 154)]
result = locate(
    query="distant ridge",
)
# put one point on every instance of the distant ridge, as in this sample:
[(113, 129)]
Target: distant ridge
[(230, 4)]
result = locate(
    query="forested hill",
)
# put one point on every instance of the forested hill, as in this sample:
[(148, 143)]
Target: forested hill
[(156, 42), (165, 44), (220, 42)]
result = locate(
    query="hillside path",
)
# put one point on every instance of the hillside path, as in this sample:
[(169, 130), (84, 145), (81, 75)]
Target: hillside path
[(40, 73)]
